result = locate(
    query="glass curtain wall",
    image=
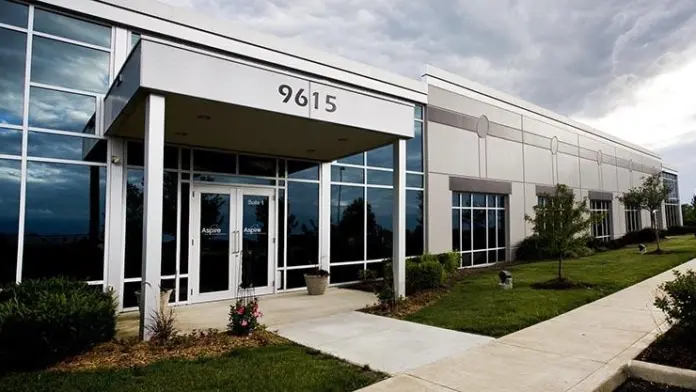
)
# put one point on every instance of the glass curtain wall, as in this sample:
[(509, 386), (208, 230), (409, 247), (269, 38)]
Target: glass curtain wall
[(478, 228), (53, 71), (672, 207), (603, 229), (633, 220), (361, 208)]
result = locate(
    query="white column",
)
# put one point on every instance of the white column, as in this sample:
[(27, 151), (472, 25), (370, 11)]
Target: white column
[(152, 211), (116, 204), (399, 224), (325, 216)]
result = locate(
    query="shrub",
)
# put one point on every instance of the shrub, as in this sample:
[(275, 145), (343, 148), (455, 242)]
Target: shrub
[(449, 261), (425, 275), (681, 230), (44, 321), (163, 328), (530, 249), (641, 236), (244, 318), (678, 300)]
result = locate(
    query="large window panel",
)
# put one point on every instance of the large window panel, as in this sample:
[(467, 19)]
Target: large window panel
[(257, 166), (212, 161), (14, 14), (302, 170), (169, 232), (481, 228), (10, 141), (60, 110), (303, 224), (68, 65), (381, 157), (414, 149), (479, 231), (347, 174), (13, 54), (414, 223), (466, 230), (71, 28), (347, 223), (10, 174), (47, 145), (64, 221), (379, 223)]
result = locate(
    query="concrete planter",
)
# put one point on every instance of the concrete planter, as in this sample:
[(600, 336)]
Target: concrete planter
[(316, 285)]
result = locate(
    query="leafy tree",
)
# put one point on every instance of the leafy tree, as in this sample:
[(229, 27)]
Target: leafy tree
[(689, 212), (649, 196), (561, 224)]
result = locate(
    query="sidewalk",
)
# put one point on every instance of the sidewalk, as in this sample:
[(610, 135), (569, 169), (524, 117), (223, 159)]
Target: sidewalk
[(572, 352)]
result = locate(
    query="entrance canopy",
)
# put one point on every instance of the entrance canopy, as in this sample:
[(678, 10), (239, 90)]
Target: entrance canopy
[(217, 101)]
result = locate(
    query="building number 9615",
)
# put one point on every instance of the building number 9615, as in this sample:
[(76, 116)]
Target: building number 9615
[(301, 99)]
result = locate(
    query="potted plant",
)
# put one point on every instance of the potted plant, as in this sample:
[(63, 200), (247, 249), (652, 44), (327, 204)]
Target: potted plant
[(316, 281)]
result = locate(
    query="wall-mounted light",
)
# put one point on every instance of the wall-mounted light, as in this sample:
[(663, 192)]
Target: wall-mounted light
[(115, 159)]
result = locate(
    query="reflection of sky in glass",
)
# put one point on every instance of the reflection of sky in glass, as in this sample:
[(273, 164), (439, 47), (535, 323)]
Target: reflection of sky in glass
[(347, 174), (380, 177), (58, 198), (303, 205), (381, 201), (13, 14), (75, 29), (54, 146), (59, 110), (67, 65), (381, 157), (10, 141), (12, 53), (414, 149), (9, 196)]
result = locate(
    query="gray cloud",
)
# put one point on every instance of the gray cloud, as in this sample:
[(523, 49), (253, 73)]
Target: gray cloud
[(682, 156), (581, 59)]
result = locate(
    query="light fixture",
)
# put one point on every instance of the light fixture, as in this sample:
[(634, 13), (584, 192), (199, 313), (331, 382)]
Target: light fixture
[(204, 117), (115, 159)]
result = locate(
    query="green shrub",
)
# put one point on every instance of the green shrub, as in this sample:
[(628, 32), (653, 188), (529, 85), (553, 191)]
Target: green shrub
[(423, 275), (449, 261), (681, 230), (44, 321), (678, 300), (530, 250), (640, 237)]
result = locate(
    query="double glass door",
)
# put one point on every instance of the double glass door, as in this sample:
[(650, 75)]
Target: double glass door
[(232, 242)]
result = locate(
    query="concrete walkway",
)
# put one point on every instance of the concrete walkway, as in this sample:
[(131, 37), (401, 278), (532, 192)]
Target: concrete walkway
[(574, 352), (385, 344)]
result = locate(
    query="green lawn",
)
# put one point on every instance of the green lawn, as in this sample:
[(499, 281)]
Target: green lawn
[(282, 367), (478, 305)]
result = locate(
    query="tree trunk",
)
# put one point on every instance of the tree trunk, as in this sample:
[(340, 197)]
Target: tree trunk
[(657, 238), (560, 267)]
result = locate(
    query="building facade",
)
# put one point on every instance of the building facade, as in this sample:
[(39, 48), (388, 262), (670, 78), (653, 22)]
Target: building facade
[(141, 145)]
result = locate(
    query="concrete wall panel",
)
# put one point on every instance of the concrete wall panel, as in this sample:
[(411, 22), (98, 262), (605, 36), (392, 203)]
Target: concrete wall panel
[(589, 174), (568, 170), (452, 151), (504, 159), (517, 224), (624, 179), (609, 180), (439, 215), (458, 103), (548, 130), (537, 165)]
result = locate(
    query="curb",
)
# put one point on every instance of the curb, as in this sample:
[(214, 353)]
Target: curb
[(661, 374)]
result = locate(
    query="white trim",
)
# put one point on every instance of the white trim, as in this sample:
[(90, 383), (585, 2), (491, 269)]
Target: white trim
[(11, 126), (14, 28), (72, 41), (65, 161), (65, 133), (11, 157), (66, 90)]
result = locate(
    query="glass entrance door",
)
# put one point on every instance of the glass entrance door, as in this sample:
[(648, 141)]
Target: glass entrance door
[(233, 240)]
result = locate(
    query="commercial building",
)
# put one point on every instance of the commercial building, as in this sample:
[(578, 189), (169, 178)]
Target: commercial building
[(139, 142)]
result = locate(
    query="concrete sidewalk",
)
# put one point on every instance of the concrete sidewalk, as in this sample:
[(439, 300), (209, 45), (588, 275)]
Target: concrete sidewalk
[(572, 352), (385, 344)]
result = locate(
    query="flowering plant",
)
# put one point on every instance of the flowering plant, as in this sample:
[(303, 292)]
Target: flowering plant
[(244, 317)]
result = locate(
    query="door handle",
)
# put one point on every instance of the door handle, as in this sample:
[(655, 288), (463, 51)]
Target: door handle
[(234, 243)]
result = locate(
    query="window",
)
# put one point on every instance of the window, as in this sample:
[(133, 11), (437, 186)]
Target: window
[(479, 228), (672, 215), (633, 220), (13, 48), (672, 208), (603, 229), (10, 174)]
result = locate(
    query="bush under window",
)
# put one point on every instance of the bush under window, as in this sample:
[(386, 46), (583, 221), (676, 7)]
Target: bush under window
[(44, 321)]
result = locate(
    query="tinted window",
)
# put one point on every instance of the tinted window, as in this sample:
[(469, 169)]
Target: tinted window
[(134, 223), (379, 223), (280, 228), (380, 177), (13, 49), (381, 157), (346, 273), (48, 145), (303, 170), (67, 65), (64, 224), (10, 172), (134, 39), (357, 159), (169, 214), (136, 155), (303, 224), (71, 28), (257, 166), (347, 223), (184, 233), (414, 149), (59, 110), (211, 161), (13, 14), (414, 180), (10, 141), (414, 223), (347, 174)]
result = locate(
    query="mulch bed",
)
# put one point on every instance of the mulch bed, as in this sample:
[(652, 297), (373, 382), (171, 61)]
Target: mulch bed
[(676, 348), (633, 385), (132, 352), (560, 284)]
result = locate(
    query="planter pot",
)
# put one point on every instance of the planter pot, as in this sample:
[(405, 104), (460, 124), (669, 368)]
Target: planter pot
[(316, 285), (165, 295)]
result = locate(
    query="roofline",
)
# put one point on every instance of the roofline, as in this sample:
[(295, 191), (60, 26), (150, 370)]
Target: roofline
[(146, 15), (448, 77), (669, 169)]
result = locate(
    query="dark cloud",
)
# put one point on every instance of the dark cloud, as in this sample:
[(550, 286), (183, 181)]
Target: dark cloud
[(683, 158)]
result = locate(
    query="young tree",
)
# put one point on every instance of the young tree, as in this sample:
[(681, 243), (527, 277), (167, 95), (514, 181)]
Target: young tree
[(689, 212), (562, 224), (648, 196)]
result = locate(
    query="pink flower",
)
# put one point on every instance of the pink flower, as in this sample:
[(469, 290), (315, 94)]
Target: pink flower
[(240, 310), (244, 323)]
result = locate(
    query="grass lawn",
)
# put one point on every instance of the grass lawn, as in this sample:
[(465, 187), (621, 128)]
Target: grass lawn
[(476, 304), (279, 367)]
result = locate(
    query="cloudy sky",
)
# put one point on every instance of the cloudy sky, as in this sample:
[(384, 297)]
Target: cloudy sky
[(626, 67)]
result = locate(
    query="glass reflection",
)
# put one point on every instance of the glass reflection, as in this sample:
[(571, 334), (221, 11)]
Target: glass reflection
[(64, 223), (257, 166), (255, 241), (13, 50), (68, 65), (302, 170), (12, 13), (414, 149), (10, 174), (48, 145), (346, 273), (380, 177), (214, 267), (10, 141), (211, 161), (347, 223), (357, 159), (379, 223), (59, 110), (456, 245), (414, 180), (134, 39), (347, 174), (71, 28), (479, 230), (381, 157), (466, 229), (303, 224), (414, 223)]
